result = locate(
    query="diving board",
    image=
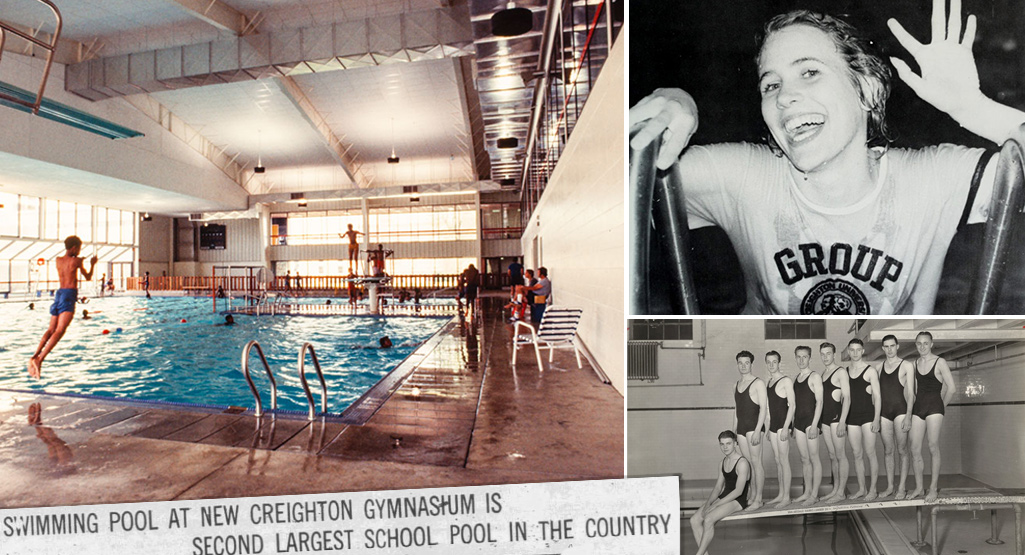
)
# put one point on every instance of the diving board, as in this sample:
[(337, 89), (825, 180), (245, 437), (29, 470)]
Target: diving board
[(951, 496), (950, 499)]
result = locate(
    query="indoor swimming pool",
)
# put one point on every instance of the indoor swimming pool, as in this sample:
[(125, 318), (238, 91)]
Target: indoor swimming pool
[(177, 350)]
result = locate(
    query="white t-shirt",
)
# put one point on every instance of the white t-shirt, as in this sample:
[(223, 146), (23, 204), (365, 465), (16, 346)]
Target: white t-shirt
[(882, 255)]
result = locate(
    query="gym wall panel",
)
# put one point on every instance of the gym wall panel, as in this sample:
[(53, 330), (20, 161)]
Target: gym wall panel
[(577, 228)]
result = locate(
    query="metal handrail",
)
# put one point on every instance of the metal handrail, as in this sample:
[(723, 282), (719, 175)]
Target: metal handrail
[(1004, 214), (657, 197), (249, 379), (50, 48), (306, 387)]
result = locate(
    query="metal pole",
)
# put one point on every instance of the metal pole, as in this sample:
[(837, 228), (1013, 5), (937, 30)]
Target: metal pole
[(642, 189), (1005, 211), (672, 230), (920, 542)]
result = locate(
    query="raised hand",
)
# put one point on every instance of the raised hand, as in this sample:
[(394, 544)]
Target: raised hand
[(950, 78), (667, 113)]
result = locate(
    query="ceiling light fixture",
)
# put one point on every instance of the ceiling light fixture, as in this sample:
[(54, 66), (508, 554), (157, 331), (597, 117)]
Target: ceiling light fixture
[(512, 22), (508, 142), (259, 153), (393, 159)]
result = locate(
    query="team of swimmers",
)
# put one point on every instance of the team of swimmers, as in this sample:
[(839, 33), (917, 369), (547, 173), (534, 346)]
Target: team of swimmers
[(903, 401)]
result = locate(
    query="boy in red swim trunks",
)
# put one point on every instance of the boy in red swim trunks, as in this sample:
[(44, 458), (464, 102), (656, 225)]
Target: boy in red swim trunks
[(63, 309)]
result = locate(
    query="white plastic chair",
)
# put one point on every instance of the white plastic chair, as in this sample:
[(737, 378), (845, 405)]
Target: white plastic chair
[(558, 330)]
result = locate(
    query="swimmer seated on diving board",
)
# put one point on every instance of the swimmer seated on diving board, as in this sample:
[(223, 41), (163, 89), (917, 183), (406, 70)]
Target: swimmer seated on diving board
[(729, 495), (823, 192), (63, 309)]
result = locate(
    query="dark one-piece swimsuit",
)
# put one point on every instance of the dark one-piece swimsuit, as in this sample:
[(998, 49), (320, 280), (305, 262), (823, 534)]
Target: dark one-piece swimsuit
[(731, 483), (929, 399)]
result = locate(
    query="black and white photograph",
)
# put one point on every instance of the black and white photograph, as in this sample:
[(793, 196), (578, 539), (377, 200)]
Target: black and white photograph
[(844, 158), (844, 436)]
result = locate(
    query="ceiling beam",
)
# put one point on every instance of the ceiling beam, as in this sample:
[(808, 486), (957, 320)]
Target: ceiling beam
[(218, 14), (68, 51), (406, 37), (342, 153)]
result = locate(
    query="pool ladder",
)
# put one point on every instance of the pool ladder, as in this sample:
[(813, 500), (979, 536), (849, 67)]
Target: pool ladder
[(307, 346)]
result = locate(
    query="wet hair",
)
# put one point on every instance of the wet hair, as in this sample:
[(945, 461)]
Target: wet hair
[(925, 333), (856, 341), (830, 345), (802, 348), (727, 434), (747, 354), (891, 336), (72, 241), (863, 63), (775, 354)]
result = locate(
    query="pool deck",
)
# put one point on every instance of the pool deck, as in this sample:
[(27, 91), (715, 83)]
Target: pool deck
[(463, 416)]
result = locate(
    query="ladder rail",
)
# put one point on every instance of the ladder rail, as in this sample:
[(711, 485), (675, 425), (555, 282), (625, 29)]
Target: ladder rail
[(273, 384), (307, 346), (50, 48)]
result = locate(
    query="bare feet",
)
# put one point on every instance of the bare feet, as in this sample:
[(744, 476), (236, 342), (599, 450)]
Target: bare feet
[(901, 494), (914, 494), (34, 367), (783, 503), (872, 495), (804, 496), (835, 499), (931, 497), (858, 494), (754, 506), (776, 499), (886, 493), (809, 502)]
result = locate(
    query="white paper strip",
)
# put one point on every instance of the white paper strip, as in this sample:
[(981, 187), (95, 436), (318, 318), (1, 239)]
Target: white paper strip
[(639, 516)]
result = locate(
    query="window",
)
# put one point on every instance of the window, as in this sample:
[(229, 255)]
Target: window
[(50, 219), (661, 330), (127, 227), (795, 329), (9, 214), (101, 225), (66, 223), (29, 217), (84, 222)]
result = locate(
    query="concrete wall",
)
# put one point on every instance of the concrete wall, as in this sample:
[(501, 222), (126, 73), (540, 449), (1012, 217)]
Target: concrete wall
[(578, 225), (156, 244), (991, 393), (672, 427)]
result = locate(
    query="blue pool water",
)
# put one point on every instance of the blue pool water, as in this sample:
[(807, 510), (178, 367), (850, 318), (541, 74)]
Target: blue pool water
[(157, 357)]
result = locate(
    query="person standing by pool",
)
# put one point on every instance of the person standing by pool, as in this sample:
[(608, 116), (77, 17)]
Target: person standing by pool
[(935, 389), (780, 393), (836, 402), (729, 495), (808, 397), (863, 419), (542, 290), (63, 309), (103, 284), (749, 420), (897, 390), (352, 234)]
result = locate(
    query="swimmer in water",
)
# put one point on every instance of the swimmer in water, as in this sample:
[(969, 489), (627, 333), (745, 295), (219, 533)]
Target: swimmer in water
[(85, 315), (385, 342)]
